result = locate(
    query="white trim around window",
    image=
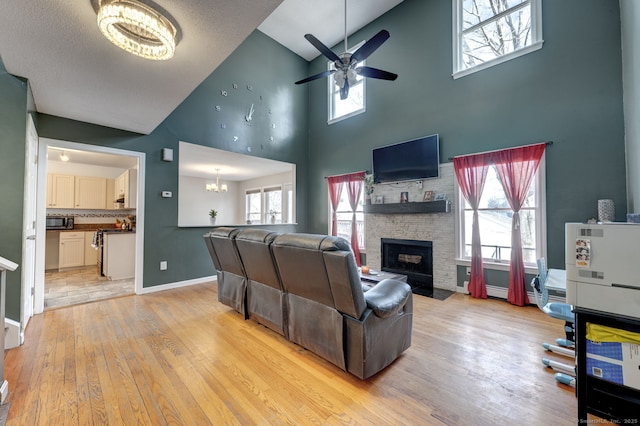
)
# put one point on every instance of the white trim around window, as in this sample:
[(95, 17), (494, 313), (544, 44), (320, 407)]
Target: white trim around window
[(459, 69), (541, 224)]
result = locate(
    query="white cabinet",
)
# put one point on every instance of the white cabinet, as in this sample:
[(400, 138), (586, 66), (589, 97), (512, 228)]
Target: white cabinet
[(90, 253), (90, 192), (119, 255), (126, 186), (60, 191), (71, 251)]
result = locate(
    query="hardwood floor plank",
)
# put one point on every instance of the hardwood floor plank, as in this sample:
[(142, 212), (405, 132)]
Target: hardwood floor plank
[(180, 357)]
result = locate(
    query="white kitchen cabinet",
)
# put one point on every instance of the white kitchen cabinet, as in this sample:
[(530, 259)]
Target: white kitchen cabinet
[(119, 255), (126, 186), (90, 253), (60, 191), (71, 251), (110, 199), (90, 192)]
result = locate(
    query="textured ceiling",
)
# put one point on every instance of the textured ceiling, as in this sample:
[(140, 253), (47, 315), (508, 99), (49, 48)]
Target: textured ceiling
[(76, 73)]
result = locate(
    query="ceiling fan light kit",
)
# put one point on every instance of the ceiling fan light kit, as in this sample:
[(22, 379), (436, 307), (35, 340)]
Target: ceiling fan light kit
[(137, 28), (346, 72)]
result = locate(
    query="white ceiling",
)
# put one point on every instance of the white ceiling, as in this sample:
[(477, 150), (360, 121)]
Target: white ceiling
[(76, 73)]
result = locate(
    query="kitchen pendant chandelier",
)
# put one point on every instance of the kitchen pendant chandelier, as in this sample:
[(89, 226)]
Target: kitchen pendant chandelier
[(137, 28), (215, 187)]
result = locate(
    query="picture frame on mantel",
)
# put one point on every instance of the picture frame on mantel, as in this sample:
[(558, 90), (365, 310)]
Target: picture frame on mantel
[(440, 196), (379, 199), (428, 196)]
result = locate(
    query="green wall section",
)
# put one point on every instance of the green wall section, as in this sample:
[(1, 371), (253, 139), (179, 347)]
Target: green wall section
[(197, 121), (13, 125), (569, 92)]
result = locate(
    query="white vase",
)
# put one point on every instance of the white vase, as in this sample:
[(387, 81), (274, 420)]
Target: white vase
[(606, 210), (212, 220)]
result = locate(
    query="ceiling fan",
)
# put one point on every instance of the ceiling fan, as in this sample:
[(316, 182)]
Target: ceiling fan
[(346, 70)]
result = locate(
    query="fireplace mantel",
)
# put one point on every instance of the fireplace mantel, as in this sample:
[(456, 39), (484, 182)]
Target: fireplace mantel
[(440, 206)]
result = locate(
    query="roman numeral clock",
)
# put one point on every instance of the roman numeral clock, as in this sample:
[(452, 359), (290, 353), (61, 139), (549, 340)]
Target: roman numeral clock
[(245, 118)]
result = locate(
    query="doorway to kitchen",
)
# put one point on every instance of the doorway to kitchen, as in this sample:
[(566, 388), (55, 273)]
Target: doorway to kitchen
[(90, 223)]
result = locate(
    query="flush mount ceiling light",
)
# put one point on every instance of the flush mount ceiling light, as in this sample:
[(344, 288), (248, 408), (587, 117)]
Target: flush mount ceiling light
[(137, 28), (64, 156), (215, 187)]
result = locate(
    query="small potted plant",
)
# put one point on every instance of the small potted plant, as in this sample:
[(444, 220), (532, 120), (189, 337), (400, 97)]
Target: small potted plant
[(368, 187), (212, 216)]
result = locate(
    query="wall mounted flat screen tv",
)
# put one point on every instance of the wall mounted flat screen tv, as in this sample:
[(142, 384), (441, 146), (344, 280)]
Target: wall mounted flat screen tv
[(410, 160)]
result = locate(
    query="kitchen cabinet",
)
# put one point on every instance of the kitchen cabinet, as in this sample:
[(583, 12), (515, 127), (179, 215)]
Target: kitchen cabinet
[(90, 192), (126, 186), (119, 255), (60, 191), (71, 250), (90, 253), (110, 200)]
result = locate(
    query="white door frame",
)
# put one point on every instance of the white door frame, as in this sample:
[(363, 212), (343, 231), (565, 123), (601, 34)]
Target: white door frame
[(29, 220), (42, 210)]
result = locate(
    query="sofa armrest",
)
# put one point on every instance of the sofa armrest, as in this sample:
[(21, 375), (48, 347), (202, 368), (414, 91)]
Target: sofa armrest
[(388, 297)]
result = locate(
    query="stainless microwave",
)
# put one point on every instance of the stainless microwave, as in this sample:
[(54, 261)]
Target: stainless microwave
[(59, 222)]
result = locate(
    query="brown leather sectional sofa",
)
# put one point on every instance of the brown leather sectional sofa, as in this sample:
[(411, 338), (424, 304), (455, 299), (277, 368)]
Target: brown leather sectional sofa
[(307, 288)]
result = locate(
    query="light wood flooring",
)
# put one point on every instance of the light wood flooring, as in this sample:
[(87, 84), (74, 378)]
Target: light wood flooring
[(181, 357), (81, 285)]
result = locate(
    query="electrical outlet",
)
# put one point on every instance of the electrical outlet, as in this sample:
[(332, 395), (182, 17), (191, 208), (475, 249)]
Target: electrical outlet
[(163, 265)]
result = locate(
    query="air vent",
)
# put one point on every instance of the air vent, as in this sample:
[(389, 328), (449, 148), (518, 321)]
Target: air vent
[(589, 232), (591, 274)]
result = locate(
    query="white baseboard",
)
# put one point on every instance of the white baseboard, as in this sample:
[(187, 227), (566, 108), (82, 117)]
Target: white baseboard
[(169, 286), (12, 338), (502, 293)]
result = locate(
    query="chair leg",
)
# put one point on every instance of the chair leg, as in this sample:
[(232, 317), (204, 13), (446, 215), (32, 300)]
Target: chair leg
[(559, 350), (558, 366), (565, 379), (566, 343)]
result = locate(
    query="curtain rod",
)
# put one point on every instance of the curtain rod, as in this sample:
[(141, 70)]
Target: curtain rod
[(344, 174), (501, 149)]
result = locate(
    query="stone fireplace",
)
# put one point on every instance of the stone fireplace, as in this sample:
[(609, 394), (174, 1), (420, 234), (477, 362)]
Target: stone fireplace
[(438, 228)]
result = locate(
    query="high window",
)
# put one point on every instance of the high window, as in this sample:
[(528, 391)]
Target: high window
[(495, 220), (339, 109), (489, 32)]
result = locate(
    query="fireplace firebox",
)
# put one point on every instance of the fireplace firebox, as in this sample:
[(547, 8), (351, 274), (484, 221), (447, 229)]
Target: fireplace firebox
[(412, 258)]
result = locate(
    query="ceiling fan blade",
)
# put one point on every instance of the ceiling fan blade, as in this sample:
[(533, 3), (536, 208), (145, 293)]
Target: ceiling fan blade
[(344, 90), (322, 48), (315, 77), (376, 73), (370, 46)]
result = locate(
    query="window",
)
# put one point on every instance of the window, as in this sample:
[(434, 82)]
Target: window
[(339, 109), (489, 32), (253, 205), (494, 217), (344, 215), (273, 204)]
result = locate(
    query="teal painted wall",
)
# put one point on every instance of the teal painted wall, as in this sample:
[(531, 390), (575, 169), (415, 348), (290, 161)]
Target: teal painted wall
[(13, 124), (195, 121), (569, 92)]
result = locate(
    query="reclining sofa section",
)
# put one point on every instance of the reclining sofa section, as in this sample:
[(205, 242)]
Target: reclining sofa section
[(307, 288)]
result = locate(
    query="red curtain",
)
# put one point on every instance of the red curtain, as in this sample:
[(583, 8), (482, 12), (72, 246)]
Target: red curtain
[(354, 183), (516, 168), (471, 173), (354, 190), (335, 192)]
